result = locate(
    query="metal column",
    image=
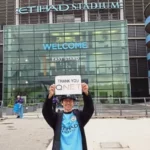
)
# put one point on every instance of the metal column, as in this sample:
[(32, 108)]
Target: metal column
[(85, 13), (17, 15), (121, 10), (50, 13)]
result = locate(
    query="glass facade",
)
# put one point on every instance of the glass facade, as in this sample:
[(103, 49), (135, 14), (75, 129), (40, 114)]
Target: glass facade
[(35, 54)]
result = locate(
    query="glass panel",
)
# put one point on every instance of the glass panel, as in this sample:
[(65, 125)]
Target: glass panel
[(35, 54), (120, 77)]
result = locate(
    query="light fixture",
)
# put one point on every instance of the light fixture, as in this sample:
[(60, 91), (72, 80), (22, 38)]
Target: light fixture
[(68, 38), (97, 32), (76, 33), (113, 31), (53, 64), (26, 82), (55, 34), (67, 33), (97, 53)]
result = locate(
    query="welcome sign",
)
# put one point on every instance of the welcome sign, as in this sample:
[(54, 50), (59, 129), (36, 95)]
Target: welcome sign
[(68, 7), (66, 85), (65, 46)]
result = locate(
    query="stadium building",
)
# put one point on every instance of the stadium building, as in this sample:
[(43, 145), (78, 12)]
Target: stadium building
[(103, 41)]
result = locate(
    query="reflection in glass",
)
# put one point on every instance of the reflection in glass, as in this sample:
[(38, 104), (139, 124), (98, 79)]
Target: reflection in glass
[(29, 69)]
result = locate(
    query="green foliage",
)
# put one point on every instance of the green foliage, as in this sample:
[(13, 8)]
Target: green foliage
[(32, 104), (22, 91), (25, 105), (29, 92), (10, 106), (11, 102), (42, 100)]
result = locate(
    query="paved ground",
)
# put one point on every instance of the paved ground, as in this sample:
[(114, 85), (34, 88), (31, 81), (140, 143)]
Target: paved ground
[(33, 133), (117, 134), (131, 134), (24, 134)]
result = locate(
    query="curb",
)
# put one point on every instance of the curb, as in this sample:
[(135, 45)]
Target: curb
[(93, 117), (118, 117)]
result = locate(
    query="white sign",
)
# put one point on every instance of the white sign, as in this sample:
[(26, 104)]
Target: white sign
[(55, 59), (68, 85)]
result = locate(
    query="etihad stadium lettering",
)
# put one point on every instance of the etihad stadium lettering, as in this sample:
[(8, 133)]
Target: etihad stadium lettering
[(68, 7)]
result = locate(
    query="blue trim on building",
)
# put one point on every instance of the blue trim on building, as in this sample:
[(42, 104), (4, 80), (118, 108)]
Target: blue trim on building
[(148, 73), (148, 56), (148, 41), (147, 21)]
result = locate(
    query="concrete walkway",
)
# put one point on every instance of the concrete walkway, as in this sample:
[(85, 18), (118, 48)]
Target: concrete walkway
[(24, 134), (102, 134), (117, 134)]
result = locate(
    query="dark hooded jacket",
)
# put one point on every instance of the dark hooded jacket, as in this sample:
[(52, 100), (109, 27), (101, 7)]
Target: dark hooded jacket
[(54, 119)]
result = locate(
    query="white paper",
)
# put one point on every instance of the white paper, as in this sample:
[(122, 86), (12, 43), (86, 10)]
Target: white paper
[(68, 84)]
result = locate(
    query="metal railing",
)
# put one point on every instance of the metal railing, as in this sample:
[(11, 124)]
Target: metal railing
[(122, 107), (106, 107)]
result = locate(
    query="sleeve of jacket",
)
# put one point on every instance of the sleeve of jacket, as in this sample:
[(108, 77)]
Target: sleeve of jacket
[(88, 109), (49, 115)]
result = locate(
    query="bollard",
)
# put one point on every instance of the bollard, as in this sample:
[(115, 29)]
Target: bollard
[(95, 108), (1, 110), (146, 113), (1, 116), (120, 107)]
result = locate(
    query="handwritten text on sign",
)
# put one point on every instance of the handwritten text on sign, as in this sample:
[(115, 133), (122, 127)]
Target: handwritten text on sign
[(68, 85)]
